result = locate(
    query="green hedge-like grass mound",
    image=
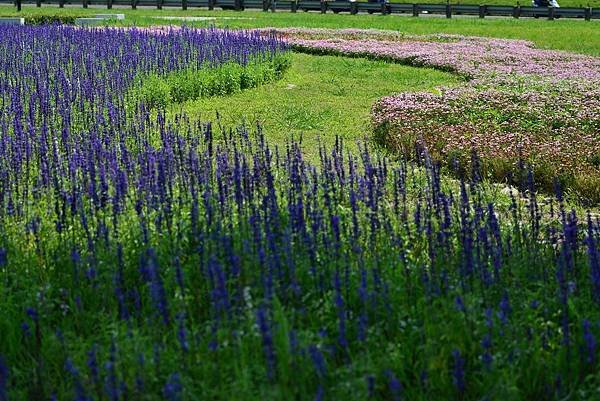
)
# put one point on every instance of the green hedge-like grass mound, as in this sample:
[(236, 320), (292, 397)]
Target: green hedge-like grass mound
[(159, 91)]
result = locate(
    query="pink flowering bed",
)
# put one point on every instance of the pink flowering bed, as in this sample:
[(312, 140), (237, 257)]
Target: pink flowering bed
[(554, 132), (519, 104), (474, 57)]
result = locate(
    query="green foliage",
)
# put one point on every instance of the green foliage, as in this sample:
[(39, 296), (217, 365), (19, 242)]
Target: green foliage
[(49, 19), (319, 97), (190, 84), (155, 92)]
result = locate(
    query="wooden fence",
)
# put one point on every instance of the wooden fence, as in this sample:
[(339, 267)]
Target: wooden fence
[(337, 6)]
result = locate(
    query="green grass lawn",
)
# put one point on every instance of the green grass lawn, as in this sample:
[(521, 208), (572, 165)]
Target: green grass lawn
[(574, 35), (319, 97)]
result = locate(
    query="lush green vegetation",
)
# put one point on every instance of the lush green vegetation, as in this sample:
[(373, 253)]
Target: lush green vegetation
[(156, 90), (153, 256), (46, 19), (319, 98)]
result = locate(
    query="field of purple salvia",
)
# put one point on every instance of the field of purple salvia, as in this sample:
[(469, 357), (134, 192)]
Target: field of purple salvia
[(519, 106), (145, 255)]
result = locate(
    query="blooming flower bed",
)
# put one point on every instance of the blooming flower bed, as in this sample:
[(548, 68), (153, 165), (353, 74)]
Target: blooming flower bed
[(520, 105), (555, 132), (152, 258), (64, 72), (473, 57)]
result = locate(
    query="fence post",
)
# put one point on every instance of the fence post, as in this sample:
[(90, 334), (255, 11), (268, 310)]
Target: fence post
[(109, 4), (273, 6), (85, 3), (550, 13), (265, 5), (184, 5), (133, 4), (159, 4), (294, 6), (236, 5), (323, 7), (448, 10), (19, 5), (353, 8), (588, 13), (211, 5), (482, 11), (415, 10), (517, 10)]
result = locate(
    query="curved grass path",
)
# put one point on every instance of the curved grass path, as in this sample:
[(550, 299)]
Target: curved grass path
[(320, 97)]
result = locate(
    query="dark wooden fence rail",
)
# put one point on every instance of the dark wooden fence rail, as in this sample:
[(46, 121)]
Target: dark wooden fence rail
[(337, 6)]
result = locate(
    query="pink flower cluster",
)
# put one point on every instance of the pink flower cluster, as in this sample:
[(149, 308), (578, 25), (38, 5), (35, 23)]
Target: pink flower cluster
[(519, 103), (555, 132), (474, 57)]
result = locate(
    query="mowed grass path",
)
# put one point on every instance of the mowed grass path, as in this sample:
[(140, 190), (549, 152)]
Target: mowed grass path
[(319, 97), (574, 35)]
